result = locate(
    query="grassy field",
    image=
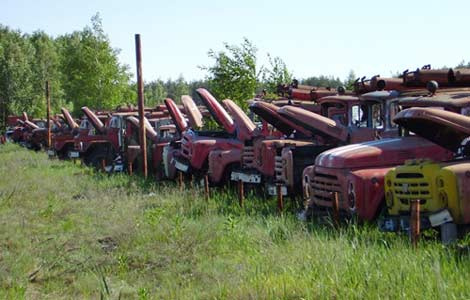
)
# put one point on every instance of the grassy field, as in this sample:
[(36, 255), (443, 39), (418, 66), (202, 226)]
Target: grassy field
[(67, 232)]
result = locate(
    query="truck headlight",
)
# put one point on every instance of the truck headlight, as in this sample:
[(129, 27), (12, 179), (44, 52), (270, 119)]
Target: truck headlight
[(443, 198), (440, 182), (306, 187), (351, 197)]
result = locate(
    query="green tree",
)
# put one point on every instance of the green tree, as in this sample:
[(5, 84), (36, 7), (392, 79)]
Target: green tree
[(322, 81), (276, 74), (233, 74), (349, 82), (16, 59), (46, 67), (154, 92), (175, 89), (92, 74)]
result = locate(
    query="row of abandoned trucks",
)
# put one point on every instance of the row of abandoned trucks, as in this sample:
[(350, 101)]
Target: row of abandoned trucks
[(370, 152)]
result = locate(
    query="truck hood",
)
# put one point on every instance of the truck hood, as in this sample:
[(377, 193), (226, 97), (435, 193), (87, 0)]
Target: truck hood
[(176, 115), (219, 114), (385, 152), (268, 112), (94, 120), (192, 112), (445, 128), (308, 105), (68, 118), (315, 123), (31, 124), (245, 127), (149, 130)]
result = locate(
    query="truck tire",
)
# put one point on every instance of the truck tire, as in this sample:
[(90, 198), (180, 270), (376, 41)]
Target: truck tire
[(96, 156), (448, 233)]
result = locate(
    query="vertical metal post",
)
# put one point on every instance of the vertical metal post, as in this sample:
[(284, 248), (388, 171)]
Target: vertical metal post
[(336, 208), (103, 165), (415, 221), (241, 193), (206, 187), (140, 93), (280, 200), (48, 104)]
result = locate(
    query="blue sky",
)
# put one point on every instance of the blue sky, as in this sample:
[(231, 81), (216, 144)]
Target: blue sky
[(313, 37)]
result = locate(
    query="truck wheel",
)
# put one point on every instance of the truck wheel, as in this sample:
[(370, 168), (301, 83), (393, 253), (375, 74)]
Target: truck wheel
[(448, 233), (313, 211), (96, 157)]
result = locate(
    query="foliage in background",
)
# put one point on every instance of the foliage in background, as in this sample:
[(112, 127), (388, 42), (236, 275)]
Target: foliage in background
[(234, 74), (82, 67), (277, 74), (349, 82), (92, 74), (322, 81)]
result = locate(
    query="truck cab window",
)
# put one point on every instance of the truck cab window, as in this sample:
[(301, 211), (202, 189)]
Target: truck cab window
[(359, 115)]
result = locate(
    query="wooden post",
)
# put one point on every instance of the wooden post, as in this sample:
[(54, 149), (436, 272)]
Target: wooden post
[(280, 200), (103, 165), (140, 93), (415, 223), (129, 168), (241, 193), (180, 180), (206, 187), (48, 104), (336, 209)]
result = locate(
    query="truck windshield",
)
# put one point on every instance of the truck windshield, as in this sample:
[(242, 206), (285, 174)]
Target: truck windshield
[(394, 109), (369, 114), (115, 122), (85, 124)]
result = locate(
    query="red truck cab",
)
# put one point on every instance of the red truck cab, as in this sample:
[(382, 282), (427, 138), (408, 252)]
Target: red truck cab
[(63, 139), (258, 156), (193, 156)]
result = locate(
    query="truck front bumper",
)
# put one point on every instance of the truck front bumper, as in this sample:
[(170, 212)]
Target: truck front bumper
[(51, 153), (402, 222), (246, 176), (273, 188), (74, 154), (182, 165)]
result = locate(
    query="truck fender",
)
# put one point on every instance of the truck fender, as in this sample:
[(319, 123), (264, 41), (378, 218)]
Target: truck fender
[(366, 190), (219, 161)]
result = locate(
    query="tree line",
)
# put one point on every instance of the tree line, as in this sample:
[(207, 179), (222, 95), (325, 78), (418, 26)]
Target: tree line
[(83, 70)]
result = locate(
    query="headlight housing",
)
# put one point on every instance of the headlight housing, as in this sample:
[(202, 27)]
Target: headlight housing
[(306, 187), (351, 197)]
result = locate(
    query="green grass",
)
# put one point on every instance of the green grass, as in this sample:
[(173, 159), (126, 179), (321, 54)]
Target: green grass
[(67, 232)]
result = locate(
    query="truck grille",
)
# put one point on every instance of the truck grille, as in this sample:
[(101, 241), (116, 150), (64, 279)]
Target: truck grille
[(248, 157), (323, 186), (185, 149), (410, 186), (278, 168)]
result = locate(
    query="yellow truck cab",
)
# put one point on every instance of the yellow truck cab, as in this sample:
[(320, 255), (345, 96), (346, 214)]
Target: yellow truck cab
[(442, 188)]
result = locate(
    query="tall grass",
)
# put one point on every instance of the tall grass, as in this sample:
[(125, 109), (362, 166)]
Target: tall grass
[(68, 232)]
